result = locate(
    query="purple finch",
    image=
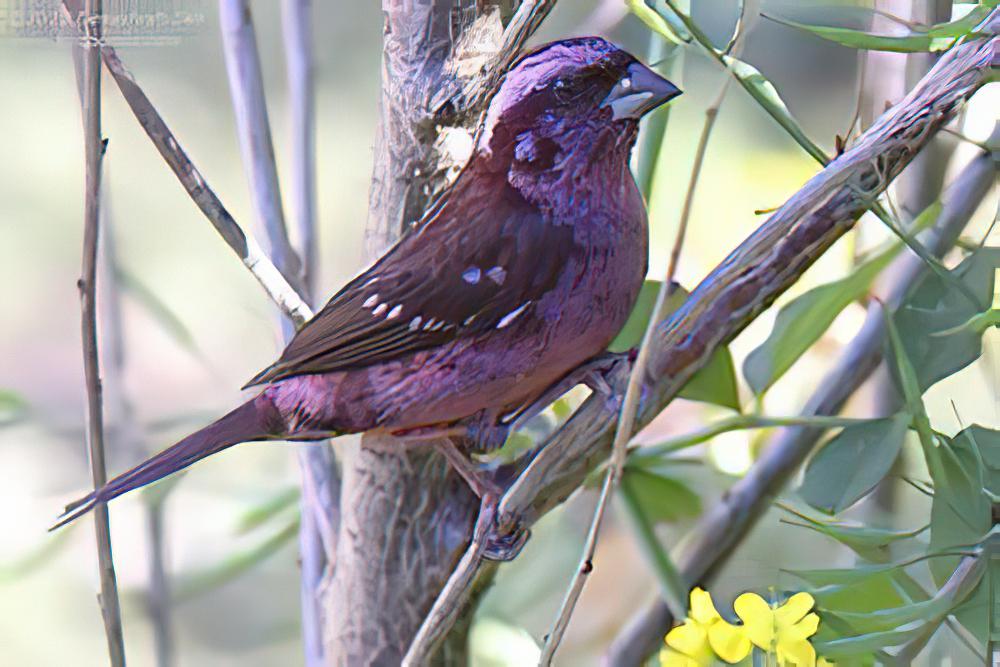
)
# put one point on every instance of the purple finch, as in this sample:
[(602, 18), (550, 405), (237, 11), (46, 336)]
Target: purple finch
[(527, 266)]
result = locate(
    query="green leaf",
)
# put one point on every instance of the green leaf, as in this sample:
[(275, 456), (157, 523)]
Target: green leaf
[(672, 585), (857, 574), (715, 383), (912, 42), (910, 37), (661, 498), (961, 512), (672, 31), (802, 321), (866, 644), (934, 308), (764, 92), (867, 542), (851, 464)]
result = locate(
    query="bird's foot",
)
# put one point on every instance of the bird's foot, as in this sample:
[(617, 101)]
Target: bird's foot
[(505, 547)]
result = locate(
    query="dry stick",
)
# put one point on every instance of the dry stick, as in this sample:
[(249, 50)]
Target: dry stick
[(320, 479), (94, 150), (318, 504), (720, 530), (633, 392), (246, 85), (243, 244)]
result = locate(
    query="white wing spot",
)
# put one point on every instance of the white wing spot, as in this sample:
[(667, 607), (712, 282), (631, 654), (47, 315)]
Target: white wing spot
[(370, 301), (438, 325), (380, 309), (428, 324), (471, 275), (415, 323), (469, 319), (512, 315), (394, 313), (497, 274)]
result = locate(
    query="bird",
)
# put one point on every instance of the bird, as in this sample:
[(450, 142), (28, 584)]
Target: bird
[(525, 267)]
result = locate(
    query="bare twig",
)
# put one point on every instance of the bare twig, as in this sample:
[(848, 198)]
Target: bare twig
[(246, 84), (716, 535), (633, 391), (296, 21), (319, 479), (90, 85)]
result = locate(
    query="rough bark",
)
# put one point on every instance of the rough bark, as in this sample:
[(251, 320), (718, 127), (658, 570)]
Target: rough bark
[(406, 516)]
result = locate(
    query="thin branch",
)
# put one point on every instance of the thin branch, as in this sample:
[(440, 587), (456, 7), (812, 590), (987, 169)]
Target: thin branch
[(89, 78), (246, 84), (296, 21), (319, 478), (716, 535), (633, 392)]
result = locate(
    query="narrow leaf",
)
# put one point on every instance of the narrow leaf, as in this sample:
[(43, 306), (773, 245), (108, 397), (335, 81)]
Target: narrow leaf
[(912, 42), (656, 22)]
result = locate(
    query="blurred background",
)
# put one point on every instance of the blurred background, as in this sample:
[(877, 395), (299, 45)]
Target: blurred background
[(196, 326)]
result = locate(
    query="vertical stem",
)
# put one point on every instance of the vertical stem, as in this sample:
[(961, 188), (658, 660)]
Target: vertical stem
[(158, 593), (319, 477), (296, 17), (94, 150), (246, 85)]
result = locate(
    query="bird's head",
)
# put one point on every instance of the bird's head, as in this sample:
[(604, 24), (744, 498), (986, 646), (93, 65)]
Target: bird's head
[(568, 89)]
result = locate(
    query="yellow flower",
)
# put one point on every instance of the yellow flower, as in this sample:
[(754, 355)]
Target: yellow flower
[(704, 635), (785, 629)]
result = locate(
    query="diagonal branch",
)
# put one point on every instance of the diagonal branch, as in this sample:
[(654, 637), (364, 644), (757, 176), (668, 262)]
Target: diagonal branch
[(243, 244), (746, 283), (720, 530)]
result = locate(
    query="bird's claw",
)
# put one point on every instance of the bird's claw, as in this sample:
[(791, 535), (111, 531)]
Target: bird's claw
[(505, 547)]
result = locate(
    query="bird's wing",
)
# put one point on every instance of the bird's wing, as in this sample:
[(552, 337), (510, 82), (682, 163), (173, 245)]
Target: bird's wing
[(450, 278)]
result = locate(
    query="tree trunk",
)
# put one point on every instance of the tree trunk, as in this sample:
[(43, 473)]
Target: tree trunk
[(406, 517)]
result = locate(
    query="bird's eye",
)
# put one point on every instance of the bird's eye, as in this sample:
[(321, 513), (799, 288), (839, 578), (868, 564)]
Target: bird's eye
[(626, 83), (560, 84)]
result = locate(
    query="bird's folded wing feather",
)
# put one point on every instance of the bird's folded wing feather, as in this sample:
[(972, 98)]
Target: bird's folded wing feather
[(450, 278)]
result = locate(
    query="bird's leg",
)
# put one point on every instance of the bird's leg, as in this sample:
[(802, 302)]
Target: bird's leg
[(487, 490), (590, 373)]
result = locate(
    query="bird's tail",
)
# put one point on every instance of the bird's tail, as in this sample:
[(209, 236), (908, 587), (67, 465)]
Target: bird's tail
[(257, 419)]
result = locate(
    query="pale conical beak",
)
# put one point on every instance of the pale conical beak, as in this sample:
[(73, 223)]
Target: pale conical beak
[(639, 92)]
